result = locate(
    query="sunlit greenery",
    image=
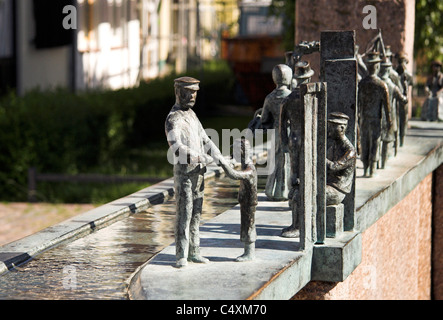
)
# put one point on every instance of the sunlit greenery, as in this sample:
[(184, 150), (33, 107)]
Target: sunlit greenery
[(106, 132), (428, 32)]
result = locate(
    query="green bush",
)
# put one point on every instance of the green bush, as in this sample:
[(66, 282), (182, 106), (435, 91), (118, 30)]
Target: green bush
[(94, 132)]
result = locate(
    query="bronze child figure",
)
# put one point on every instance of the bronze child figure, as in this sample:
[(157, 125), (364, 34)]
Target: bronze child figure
[(247, 196)]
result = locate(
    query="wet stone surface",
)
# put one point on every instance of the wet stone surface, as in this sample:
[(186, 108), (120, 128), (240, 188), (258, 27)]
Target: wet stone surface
[(97, 266)]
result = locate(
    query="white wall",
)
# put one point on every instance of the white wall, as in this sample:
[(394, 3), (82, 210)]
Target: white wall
[(110, 66), (44, 68), (6, 29)]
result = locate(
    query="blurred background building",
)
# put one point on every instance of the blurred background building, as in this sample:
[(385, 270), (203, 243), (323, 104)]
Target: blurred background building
[(254, 51), (118, 43), (115, 43)]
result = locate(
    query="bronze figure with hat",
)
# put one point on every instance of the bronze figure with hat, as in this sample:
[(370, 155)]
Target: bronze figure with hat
[(340, 160), (191, 150), (403, 109), (303, 72), (373, 104), (396, 98), (290, 135)]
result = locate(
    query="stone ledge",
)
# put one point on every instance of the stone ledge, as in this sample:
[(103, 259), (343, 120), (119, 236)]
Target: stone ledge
[(421, 155), (337, 258)]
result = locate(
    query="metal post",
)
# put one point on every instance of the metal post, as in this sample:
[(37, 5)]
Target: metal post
[(32, 184), (339, 70)]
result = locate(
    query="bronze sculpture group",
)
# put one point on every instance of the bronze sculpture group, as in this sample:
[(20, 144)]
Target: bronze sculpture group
[(381, 117), (382, 105)]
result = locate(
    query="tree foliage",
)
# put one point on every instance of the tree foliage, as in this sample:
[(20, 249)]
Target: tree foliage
[(104, 132), (428, 42), (285, 9)]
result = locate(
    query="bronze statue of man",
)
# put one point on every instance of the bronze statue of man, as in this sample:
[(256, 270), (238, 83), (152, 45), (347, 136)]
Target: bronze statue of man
[(373, 101), (361, 67), (396, 99), (192, 150), (403, 108), (277, 183), (393, 74)]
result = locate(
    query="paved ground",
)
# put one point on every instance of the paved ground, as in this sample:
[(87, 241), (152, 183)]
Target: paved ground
[(18, 220)]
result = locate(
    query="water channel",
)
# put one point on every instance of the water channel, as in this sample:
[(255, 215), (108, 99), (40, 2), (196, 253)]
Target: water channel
[(96, 266)]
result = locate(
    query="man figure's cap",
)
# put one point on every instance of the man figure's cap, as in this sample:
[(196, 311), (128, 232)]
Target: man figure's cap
[(373, 57), (188, 83), (303, 70), (338, 118), (386, 62)]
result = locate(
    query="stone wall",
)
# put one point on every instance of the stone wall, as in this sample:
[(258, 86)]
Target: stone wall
[(437, 236), (396, 257), (395, 18)]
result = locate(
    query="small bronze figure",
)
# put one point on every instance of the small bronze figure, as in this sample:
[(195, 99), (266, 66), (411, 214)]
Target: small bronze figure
[(393, 74), (403, 108), (247, 196), (389, 136), (341, 160), (290, 134), (294, 57), (362, 70), (303, 72), (277, 183), (373, 101)]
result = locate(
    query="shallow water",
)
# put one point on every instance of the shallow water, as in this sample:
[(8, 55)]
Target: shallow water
[(97, 265)]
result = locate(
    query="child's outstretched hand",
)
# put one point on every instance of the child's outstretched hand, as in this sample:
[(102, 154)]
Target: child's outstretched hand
[(234, 174)]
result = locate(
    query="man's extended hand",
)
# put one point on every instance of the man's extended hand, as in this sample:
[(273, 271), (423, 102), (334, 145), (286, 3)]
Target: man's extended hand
[(205, 159)]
